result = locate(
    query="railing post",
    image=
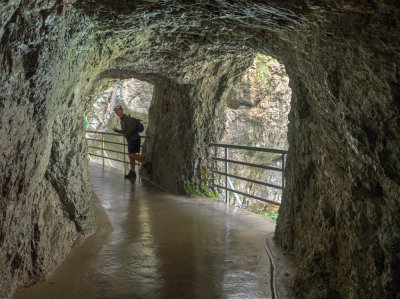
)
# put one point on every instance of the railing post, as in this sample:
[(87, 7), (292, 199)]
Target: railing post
[(123, 141), (283, 170), (214, 165), (102, 147), (226, 175)]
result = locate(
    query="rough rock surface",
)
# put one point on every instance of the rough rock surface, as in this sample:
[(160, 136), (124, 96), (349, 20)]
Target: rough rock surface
[(45, 195), (184, 119), (340, 213), (258, 106)]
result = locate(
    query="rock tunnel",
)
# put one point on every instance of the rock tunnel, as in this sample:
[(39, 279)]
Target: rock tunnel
[(340, 214)]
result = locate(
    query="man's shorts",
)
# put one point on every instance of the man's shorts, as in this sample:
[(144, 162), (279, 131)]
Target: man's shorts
[(134, 146)]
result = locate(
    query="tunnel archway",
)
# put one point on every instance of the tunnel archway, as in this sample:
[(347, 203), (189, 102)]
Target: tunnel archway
[(135, 97), (343, 163)]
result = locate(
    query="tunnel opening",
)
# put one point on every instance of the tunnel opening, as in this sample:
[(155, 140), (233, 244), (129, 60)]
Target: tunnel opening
[(135, 97), (256, 115)]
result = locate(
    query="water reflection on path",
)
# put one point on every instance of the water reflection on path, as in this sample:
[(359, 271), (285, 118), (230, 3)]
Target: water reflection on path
[(163, 246)]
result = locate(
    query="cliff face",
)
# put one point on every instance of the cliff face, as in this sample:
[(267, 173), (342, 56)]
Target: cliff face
[(133, 95), (257, 115), (258, 106), (339, 213)]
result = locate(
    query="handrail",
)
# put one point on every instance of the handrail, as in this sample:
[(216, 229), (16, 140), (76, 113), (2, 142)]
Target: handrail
[(227, 175), (250, 148), (103, 150), (247, 164), (248, 195), (107, 133), (108, 150), (110, 142), (248, 180)]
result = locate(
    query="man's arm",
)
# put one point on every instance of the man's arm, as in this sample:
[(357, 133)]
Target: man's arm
[(117, 131)]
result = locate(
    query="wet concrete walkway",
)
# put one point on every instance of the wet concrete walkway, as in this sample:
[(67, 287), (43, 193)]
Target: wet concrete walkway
[(151, 244)]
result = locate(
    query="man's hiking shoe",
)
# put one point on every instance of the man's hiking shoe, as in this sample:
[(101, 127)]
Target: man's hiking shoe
[(147, 166), (131, 175)]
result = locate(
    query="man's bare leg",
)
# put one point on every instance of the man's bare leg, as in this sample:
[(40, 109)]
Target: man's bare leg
[(139, 158), (143, 162), (132, 161), (131, 173)]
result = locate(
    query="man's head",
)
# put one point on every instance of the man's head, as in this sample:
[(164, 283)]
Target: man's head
[(118, 110)]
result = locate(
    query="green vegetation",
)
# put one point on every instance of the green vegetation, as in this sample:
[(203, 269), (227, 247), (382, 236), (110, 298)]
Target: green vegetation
[(200, 186), (262, 69), (270, 214)]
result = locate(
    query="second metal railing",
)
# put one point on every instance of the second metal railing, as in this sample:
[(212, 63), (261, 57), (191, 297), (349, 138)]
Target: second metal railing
[(227, 175)]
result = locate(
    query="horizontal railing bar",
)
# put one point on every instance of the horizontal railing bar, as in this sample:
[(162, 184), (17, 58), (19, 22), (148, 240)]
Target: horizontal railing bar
[(250, 148), (113, 134), (248, 164), (122, 161), (248, 195), (249, 180), (107, 150), (112, 159), (110, 142), (105, 133)]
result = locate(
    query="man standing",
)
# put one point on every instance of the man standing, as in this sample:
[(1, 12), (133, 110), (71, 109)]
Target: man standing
[(129, 130)]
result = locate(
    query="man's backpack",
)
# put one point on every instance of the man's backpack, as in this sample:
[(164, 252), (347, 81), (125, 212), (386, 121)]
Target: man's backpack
[(139, 126)]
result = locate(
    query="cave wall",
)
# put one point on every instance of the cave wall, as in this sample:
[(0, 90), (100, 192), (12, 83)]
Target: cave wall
[(258, 106), (45, 196), (184, 119), (340, 213)]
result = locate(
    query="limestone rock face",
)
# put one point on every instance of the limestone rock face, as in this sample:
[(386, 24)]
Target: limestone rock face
[(339, 214), (133, 95), (257, 115), (258, 106)]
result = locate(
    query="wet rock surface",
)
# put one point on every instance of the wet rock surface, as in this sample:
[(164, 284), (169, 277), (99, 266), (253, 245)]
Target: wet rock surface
[(339, 214), (45, 195)]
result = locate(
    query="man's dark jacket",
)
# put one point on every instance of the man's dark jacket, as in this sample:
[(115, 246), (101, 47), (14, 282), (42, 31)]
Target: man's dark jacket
[(128, 128)]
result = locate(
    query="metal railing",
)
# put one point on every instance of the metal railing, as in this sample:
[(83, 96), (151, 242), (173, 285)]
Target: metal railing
[(120, 145), (228, 176)]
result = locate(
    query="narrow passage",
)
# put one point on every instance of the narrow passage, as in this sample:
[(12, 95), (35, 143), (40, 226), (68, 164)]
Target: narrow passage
[(151, 244)]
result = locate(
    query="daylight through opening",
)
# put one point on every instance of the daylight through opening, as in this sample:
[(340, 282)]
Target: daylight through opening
[(256, 115)]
